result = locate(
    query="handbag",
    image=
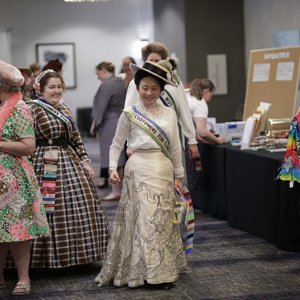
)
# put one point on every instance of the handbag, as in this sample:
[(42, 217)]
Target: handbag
[(184, 216)]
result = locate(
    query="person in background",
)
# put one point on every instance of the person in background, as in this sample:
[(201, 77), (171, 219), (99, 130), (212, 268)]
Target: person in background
[(27, 87), (126, 74), (201, 92), (23, 216), (79, 229), (55, 65), (172, 96), (35, 69), (107, 108), (146, 245)]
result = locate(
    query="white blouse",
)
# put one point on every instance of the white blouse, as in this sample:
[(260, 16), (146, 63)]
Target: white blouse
[(178, 94), (198, 108), (138, 139)]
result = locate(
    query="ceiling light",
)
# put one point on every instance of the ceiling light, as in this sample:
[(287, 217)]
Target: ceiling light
[(85, 0)]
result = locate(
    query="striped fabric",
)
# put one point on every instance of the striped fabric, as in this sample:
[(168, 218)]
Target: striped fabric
[(79, 229), (188, 237), (185, 218)]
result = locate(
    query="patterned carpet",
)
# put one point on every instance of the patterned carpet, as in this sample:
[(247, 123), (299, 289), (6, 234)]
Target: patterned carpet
[(227, 263)]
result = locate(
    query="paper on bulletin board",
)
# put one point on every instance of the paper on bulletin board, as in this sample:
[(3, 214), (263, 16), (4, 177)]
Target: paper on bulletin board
[(261, 72), (285, 71), (217, 72)]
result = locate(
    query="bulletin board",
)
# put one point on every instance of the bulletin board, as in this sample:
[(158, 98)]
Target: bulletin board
[(273, 77)]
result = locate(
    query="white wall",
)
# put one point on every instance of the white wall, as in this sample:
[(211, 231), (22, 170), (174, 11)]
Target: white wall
[(169, 28), (264, 17), (111, 30), (101, 31)]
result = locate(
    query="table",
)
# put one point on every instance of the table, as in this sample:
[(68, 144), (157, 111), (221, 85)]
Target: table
[(241, 186), (288, 232), (251, 191), (259, 203), (210, 197)]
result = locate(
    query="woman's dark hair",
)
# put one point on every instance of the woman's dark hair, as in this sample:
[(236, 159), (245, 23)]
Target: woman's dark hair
[(173, 63), (141, 74), (131, 59), (198, 85), (44, 80), (54, 65), (128, 58)]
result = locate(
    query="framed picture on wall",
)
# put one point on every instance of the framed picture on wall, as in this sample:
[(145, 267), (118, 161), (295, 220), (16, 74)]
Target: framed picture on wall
[(217, 72), (65, 53)]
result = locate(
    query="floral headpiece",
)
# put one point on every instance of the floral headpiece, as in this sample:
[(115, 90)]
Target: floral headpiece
[(10, 75), (36, 84)]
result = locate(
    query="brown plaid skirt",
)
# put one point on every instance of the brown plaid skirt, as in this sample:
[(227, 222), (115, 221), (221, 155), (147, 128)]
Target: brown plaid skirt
[(79, 228)]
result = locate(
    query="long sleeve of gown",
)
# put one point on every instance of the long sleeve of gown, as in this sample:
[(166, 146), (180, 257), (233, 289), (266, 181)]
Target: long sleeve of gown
[(121, 135), (132, 95), (101, 101), (75, 139), (184, 116), (175, 149)]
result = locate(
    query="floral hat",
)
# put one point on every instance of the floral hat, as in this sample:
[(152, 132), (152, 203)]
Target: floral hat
[(10, 75)]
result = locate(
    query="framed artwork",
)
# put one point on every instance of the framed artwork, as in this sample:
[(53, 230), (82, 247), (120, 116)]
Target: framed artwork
[(217, 72), (65, 53)]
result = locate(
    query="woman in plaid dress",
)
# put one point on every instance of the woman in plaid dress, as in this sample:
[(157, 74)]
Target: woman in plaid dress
[(79, 228)]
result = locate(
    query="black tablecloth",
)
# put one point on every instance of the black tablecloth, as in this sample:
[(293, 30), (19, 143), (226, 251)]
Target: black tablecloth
[(251, 191), (210, 195), (288, 232), (241, 186), (259, 203)]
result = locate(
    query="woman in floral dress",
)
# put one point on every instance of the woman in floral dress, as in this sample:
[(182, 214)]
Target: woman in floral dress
[(22, 214)]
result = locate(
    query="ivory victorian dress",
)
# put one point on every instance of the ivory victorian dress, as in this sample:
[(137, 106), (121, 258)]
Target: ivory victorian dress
[(79, 229), (145, 244)]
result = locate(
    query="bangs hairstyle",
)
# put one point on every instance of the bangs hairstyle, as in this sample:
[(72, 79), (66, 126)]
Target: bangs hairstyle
[(44, 80), (7, 88), (141, 74), (198, 85)]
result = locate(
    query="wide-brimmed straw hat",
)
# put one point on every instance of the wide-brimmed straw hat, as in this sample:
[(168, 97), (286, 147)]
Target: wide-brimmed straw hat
[(10, 75), (161, 69)]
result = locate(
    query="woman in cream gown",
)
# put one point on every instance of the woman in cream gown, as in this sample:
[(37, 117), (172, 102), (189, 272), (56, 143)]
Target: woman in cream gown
[(145, 245)]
